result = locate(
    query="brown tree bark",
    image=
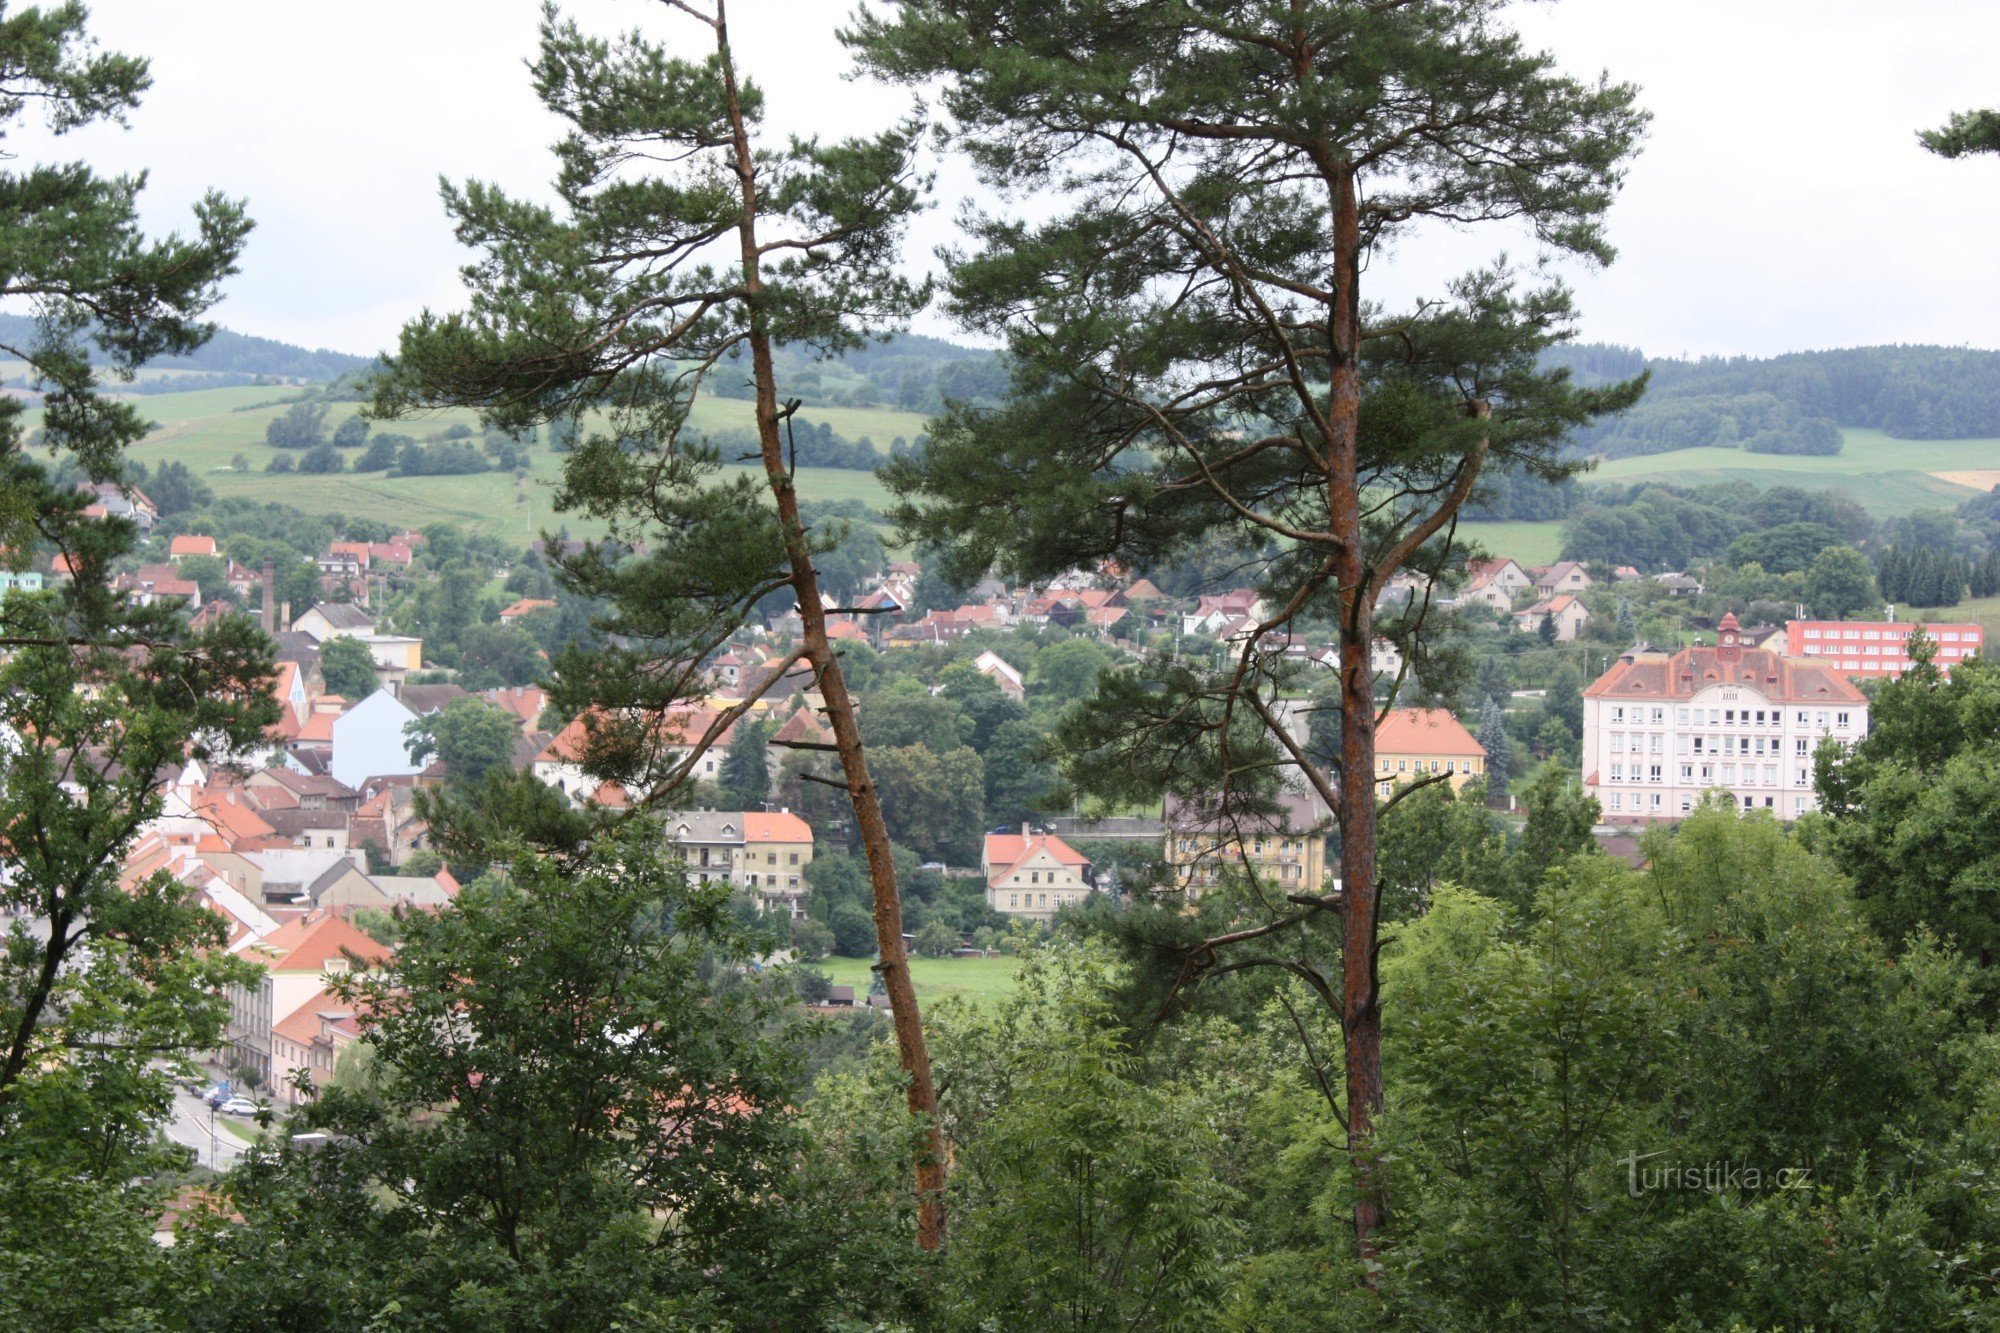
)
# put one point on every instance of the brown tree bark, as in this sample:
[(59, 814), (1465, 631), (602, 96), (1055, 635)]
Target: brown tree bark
[(911, 1050)]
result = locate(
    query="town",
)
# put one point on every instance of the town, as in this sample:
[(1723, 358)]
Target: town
[(998, 664)]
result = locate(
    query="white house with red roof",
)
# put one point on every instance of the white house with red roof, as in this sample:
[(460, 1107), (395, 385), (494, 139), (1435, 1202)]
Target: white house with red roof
[(1569, 615), (1033, 875), (1660, 730), (298, 960), (187, 544)]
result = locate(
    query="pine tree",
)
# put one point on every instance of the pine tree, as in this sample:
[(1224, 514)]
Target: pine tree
[(1191, 351), (1628, 624), (618, 309), (1493, 739), (745, 777)]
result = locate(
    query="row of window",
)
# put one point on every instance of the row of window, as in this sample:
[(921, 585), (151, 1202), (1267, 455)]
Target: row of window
[(1744, 717), (1450, 766), (1944, 636), (1014, 900), (1653, 773), (1687, 803)]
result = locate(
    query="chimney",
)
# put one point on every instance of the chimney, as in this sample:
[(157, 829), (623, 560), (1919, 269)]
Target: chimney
[(270, 584), (1024, 830), (285, 613)]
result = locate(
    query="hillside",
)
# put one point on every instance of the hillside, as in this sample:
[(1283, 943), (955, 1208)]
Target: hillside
[(229, 358), (1798, 403)]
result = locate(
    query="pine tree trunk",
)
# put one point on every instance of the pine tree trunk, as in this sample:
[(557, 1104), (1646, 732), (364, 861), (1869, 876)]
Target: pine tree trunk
[(1361, 1015), (894, 967)]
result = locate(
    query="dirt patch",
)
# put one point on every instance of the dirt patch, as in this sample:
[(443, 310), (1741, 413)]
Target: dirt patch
[(1979, 479)]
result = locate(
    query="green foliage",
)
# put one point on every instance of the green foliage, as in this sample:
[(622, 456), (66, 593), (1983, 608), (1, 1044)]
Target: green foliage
[(74, 247), (936, 939), (745, 776), (471, 736), (1914, 807), (301, 427), (1965, 133), (1560, 816), (1839, 584), (589, 1027), (853, 930), (933, 802), (321, 458), (348, 667)]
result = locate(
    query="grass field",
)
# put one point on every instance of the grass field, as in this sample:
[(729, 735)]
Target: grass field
[(1886, 476), (977, 979), (207, 428), (1529, 543)]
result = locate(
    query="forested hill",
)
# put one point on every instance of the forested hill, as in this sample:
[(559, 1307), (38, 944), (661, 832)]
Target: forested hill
[(228, 357), (909, 372), (1795, 403)]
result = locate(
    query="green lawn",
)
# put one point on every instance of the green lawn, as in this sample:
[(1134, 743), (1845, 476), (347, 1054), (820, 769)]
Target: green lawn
[(977, 979), (1528, 543), (207, 428), (1887, 476)]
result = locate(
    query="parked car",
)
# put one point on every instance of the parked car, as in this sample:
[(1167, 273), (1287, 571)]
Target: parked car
[(239, 1105), (217, 1095)]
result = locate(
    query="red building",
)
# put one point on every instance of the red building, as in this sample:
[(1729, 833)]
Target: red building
[(1877, 648)]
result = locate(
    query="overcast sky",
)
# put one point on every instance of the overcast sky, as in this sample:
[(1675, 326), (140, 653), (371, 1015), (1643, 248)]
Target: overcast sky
[(1781, 201)]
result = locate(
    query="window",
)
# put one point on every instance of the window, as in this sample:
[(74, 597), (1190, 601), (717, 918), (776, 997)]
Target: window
[(1659, 715), (1656, 800), (1686, 805), (1045, 900), (1687, 772), (1749, 801), (1840, 719), (1013, 900), (794, 858), (1034, 877), (1681, 715), (1799, 745), (1655, 773), (1617, 800), (1617, 715), (1402, 765), (1802, 778)]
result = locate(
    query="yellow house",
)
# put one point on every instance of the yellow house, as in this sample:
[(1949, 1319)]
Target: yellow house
[(1286, 850), (777, 848), (1422, 742), (1034, 875)]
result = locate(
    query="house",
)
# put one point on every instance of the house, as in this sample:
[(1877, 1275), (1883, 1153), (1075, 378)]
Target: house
[(297, 961), (156, 583), (181, 547), (760, 852), (1563, 576), (1660, 730), (1413, 742), (1213, 611), (1679, 585), (369, 741), (327, 620), (1875, 649), (115, 501), (1033, 875), (310, 1040), (1002, 673), (527, 606), (396, 656), (1284, 848), (1568, 614), (561, 763), (22, 581)]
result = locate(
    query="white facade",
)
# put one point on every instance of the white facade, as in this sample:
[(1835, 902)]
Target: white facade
[(368, 741), (1653, 758)]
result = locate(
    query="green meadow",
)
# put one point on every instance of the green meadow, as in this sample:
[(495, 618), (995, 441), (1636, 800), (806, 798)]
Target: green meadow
[(977, 979), (1886, 476)]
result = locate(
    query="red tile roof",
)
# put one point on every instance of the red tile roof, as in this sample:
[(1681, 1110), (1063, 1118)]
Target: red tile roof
[(1691, 670), (191, 544), (309, 943), (1424, 731), (780, 827)]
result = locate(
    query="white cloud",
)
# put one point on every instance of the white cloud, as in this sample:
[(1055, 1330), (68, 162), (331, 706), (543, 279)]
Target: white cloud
[(1781, 201)]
